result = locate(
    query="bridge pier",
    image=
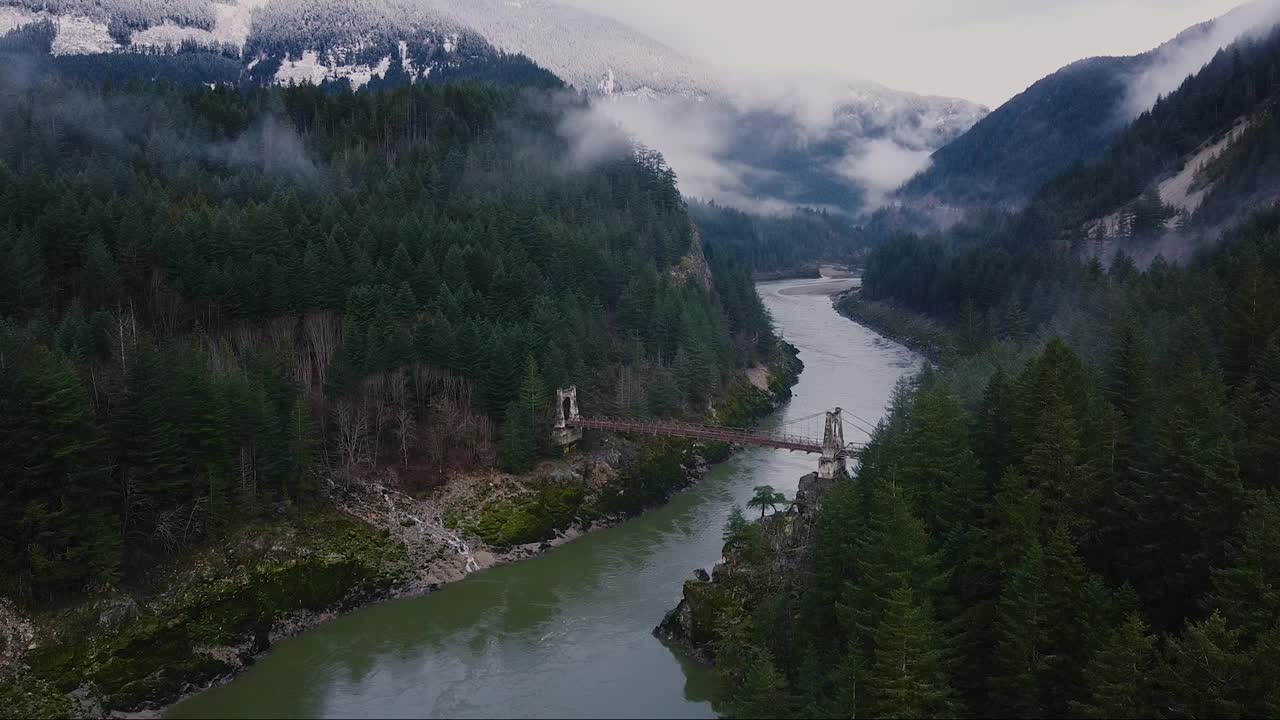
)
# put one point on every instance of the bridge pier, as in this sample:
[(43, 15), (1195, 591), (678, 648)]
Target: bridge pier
[(831, 464), (564, 433)]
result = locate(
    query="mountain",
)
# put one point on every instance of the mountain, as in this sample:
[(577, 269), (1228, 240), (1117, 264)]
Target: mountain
[(1062, 119), (1201, 158), (593, 53), (760, 144), (1069, 117), (841, 145), (351, 43)]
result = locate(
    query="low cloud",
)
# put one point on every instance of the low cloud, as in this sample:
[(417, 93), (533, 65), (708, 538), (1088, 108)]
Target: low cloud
[(693, 136), (137, 127), (592, 137), (882, 166), (1184, 57), (763, 160), (272, 146)]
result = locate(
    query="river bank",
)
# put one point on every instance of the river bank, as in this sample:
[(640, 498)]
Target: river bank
[(756, 560), (918, 332), (568, 633), (807, 272), (209, 617)]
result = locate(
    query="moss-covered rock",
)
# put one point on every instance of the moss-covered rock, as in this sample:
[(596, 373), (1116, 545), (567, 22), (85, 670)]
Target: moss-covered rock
[(27, 696), (221, 610), (529, 518)]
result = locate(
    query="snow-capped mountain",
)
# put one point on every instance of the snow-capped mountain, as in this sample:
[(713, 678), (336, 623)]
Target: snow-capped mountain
[(753, 142), (593, 53), (761, 144)]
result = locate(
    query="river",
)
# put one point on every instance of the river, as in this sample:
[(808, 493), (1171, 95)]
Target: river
[(567, 634)]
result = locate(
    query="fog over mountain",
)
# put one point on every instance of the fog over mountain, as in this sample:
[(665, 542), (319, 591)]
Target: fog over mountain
[(1068, 117), (1172, 63), (764, 143)]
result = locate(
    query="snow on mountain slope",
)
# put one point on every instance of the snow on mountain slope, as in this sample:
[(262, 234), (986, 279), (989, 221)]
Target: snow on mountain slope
[(767, 143), (230, 27), (76, 34), (762, 143), (593, 53)]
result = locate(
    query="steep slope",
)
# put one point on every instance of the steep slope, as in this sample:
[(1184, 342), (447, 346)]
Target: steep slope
[(1201, 156), (341, 42), (593, 53), (1062, 119), (1068, 117)]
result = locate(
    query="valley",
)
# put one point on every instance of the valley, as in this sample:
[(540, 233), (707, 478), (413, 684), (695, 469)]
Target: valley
[(382, 358), (568, 634)]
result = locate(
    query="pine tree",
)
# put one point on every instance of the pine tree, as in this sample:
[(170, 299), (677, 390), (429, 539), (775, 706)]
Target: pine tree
[(995, 443), (150, 449), (763, 692), (55, 542), (764, 498), (101, 276), (892, 551), (1051, 419), (940, 468), (1203, 672), (1118, 677), (735, 526), (1015, 321), (1019, 631), (526, 423), (909, 677), (1066, 620), (1251, 315), (971, 330), (1128, 374), (1247, 588), (535, 403), (1263, 684)]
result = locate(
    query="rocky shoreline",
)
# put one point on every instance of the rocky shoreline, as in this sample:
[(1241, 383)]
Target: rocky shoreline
[(112, 657), (744, 571)]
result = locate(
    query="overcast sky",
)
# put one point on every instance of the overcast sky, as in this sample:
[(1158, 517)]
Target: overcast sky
[(982, 50)]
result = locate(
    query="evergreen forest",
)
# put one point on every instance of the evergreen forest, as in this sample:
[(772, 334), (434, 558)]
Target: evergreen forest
[(218, 302), (1076, 511)]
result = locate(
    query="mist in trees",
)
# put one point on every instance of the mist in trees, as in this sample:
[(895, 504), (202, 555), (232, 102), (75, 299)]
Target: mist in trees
[(218, 302)]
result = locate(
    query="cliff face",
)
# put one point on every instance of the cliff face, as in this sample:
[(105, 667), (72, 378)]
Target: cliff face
[(693, 266), (767, 556)]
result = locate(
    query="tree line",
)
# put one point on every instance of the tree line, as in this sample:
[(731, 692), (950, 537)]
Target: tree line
[(797, 242)]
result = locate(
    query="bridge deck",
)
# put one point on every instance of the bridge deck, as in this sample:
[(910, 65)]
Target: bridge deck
[(735, 436)]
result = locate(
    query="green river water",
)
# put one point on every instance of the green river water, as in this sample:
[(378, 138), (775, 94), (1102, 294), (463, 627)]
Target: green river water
[(568, 634)]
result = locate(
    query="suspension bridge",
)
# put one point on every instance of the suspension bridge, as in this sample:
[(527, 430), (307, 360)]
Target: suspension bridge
[(797, 435)]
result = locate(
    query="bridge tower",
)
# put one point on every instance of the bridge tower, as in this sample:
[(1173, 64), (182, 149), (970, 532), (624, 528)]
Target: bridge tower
[(832, 463), (565, 432)]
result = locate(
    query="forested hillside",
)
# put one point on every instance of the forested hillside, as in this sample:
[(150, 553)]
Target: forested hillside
[(784, 244), (1073, 117), (1003, 270), (1073, 519), (1076, 514), (215, 300), (1063, 119), (1238, 85)]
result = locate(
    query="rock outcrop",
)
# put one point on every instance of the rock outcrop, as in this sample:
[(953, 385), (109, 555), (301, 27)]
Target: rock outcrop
[(773, 559)]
